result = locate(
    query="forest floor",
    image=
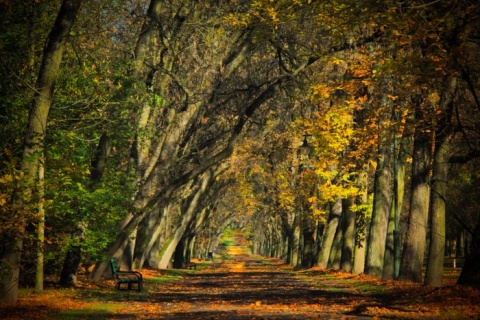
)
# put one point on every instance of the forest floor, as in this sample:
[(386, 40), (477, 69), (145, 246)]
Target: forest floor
[(241, 286)]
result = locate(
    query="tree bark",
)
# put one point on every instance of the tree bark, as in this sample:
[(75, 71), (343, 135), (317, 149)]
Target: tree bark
[(415, 239), (295, 253), (149, 230), (392, 257), (361, 224), (308, 247), (381, 209), (329, 234), (33, 153), (436, 252), (348, 245), (190, 212)]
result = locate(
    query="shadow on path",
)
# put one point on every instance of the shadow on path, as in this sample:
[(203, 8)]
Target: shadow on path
[(250, 288)]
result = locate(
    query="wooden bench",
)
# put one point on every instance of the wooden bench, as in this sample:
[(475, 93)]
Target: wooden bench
[(126, 277)]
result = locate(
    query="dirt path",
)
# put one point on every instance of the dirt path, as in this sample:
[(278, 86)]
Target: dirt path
[(243, 286), (248, 288)]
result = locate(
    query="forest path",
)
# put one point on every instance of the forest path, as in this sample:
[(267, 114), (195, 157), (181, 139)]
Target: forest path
[(238, 285), (243, 286)]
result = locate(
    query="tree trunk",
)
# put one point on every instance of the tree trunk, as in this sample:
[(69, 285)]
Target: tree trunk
[(318, 240), (470, 275), (359, 256), (295, 253), (436, 252), (415, 240), (391, 265), (73, 259), (285, 240), (33, 153), (179, 255), (162, 234), (148, 233), (40, 229), (361, 224), (308, 248), (329, 234), (381, 209), (348, 235), (191, 210), (336, 251)]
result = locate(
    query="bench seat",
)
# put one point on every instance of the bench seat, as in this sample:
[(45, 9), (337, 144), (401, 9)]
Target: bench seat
[(126, 277)]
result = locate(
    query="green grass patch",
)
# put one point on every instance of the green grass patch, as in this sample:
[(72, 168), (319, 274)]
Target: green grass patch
[(94, 311)]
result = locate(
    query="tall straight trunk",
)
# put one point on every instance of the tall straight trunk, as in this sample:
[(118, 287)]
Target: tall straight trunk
[(40, 230), (392, 256), (285, 240), (443, 133), (359, 256), (295, 253), (361, 224), (308, 247), (33, 153), (329, 234), (381, 208), (348, 244), (415, 239), (436, 250), (460, 245), (336, 251), (318, 240)]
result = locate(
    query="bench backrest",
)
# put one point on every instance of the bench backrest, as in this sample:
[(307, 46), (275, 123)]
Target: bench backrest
[(114, 267)]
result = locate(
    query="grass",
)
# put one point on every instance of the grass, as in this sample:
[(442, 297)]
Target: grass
[(94, 311)]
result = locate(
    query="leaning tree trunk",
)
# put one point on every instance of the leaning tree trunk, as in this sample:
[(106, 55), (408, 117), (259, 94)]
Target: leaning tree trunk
[(415, 241), (329, 234), (190, 212), (33, 153), (148, 232)]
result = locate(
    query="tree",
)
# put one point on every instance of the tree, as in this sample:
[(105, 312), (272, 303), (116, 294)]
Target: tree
[(415, 241), (443, 134), (31, 190), (381, 207)]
